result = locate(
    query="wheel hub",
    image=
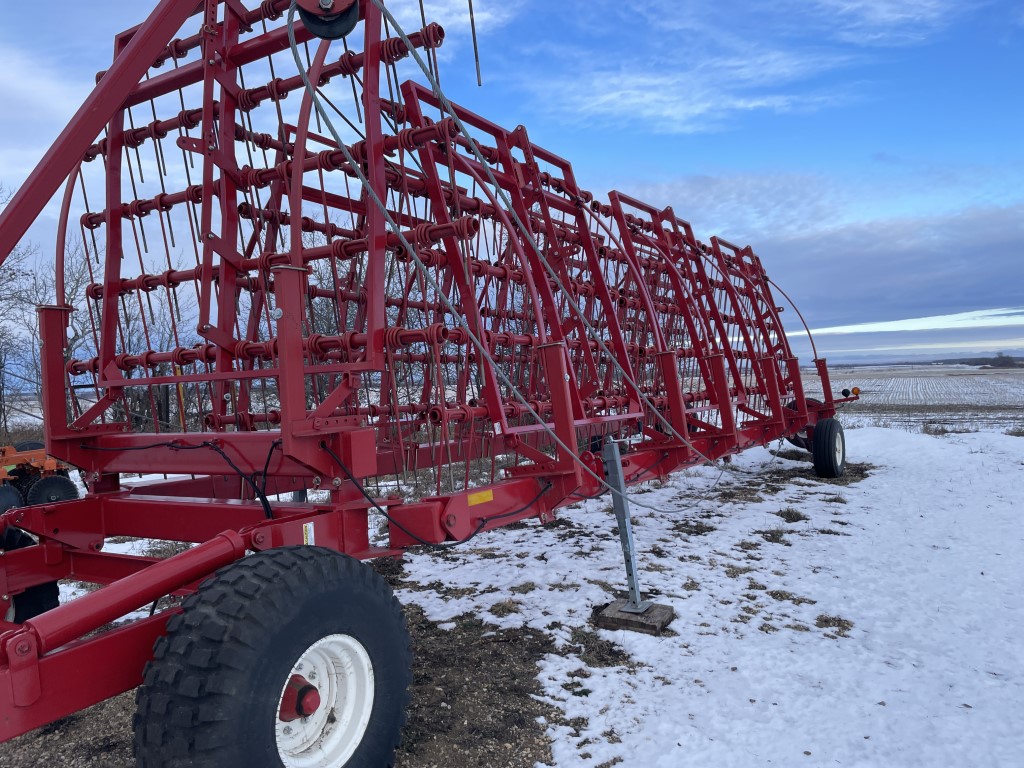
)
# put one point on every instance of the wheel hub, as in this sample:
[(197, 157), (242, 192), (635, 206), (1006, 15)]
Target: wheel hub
[(301, 699), (325, 705)]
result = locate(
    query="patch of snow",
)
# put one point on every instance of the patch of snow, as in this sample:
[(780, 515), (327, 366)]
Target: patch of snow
[(923, 558)]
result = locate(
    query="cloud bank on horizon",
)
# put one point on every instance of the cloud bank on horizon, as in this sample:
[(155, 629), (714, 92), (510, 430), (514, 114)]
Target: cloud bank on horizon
[(869, 150), (982, 332)]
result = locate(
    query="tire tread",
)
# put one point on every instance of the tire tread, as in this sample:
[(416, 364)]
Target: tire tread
[(823, 439), (215, 640)]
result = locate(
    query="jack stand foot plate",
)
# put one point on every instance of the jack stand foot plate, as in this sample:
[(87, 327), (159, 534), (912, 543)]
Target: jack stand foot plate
[(651, 622)]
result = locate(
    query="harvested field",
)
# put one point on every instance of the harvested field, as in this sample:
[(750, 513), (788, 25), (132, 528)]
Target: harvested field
[(938, 398)]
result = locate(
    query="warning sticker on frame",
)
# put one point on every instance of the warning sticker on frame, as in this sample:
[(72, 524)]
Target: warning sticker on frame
[(481, 497), (308, 534)]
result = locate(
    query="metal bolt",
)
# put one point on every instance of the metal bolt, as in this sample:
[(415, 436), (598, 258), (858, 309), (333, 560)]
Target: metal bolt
[(336, 482), (22, 649), (227, 397), (211, 62), (327, 4), (298, 667), (567, 377), (5, 597), (277, 314), (287, 729), (210, 235)]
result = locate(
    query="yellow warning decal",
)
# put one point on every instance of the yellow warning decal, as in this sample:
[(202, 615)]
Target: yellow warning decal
[(309, 534), (481, 497)]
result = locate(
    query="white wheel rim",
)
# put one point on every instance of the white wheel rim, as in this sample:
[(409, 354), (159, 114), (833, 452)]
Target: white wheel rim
[(341, 670), (840, 449)]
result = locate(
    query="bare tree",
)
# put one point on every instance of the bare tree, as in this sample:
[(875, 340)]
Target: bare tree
[(25, 284), (28, 289), (13, 271)]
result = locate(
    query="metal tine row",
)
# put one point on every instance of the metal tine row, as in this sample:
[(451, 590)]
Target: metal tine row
[(645, 284)]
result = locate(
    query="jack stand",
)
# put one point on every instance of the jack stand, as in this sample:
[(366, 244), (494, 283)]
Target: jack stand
[(634, 613)]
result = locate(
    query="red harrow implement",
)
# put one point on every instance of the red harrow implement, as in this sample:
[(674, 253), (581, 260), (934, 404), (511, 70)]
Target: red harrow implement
[(310, 273)]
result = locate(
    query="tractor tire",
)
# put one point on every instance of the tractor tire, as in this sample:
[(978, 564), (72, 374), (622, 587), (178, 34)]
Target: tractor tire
[(297, 656), (49, 490), (34, 600), (801, 441), (10, 497), (829, 449), (29, 445)]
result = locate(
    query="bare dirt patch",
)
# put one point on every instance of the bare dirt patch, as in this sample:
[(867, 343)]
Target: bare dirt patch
[(793, 454), (854, 473), (98, 737), (594, 650), (472, 696)]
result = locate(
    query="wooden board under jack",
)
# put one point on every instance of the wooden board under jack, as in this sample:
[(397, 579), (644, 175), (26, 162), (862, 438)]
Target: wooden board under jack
[(652, 621)]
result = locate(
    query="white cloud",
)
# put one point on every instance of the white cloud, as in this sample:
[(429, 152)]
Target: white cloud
[(747, 207), (690, 94), (857, 22), (985, 318), (39, 100), (453, 15), (888, 22), (973, 345), (32, 90), (687, 66), (489, 15)]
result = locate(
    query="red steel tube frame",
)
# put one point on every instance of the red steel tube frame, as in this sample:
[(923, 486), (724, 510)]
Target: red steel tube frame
[(665, 307)]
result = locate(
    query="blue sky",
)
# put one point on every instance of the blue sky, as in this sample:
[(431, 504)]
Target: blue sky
[(872, 151)]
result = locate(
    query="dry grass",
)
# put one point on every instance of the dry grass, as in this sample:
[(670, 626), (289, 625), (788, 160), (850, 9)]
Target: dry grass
[(595, 651), (774, 535), (840, 625), (792, 515), (735, 571), (505, 608), (937, 429), (164, 549), (692, 527), (789, 597)]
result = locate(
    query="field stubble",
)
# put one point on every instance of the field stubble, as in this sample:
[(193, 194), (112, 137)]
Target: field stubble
[(935, 399)]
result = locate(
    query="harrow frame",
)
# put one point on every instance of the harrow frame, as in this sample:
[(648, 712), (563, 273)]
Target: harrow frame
[(689, 358)]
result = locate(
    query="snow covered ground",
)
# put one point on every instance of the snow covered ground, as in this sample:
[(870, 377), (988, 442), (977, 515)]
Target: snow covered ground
[(882, 630)]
